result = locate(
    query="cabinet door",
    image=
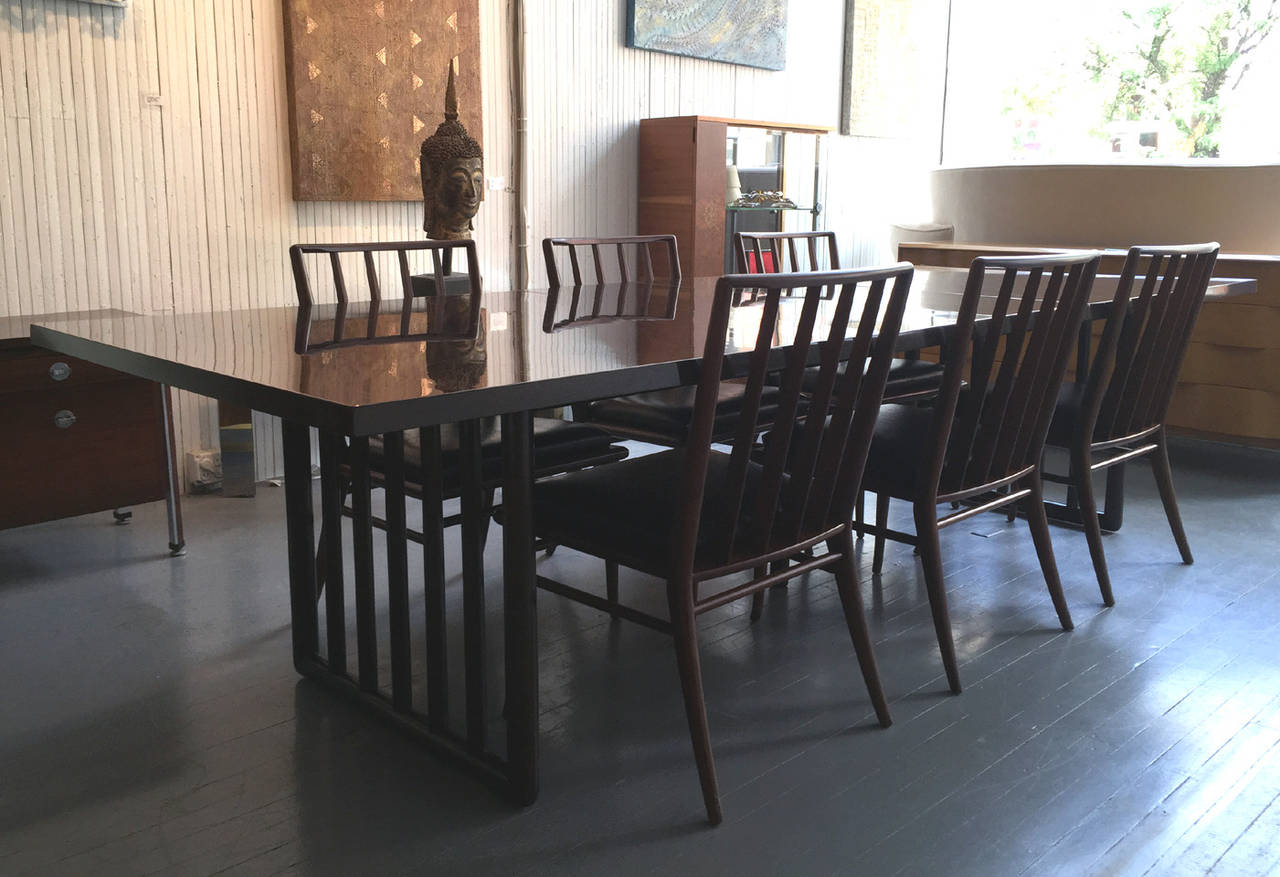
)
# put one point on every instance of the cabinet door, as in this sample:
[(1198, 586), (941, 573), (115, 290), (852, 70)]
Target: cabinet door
[(70, 450)]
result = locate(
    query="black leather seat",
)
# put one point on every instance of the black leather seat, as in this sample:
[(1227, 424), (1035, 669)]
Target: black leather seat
[(558, 446), (907, 378), (663, 416)]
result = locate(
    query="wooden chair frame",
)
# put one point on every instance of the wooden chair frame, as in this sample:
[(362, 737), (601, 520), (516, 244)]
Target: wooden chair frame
[(1131, 380), (770, 508), (782, 245), (438, 326), (986, 444), (644, 270)]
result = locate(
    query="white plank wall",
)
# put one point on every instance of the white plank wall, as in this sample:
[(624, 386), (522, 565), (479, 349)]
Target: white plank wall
[(145, 151)]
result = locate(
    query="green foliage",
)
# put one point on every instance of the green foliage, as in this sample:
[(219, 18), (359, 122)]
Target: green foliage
[(1173, 63)]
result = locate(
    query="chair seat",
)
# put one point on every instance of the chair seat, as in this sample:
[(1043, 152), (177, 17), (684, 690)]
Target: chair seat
[(644, 496), (898, 448), (666, 414), (907, 377), (557, 444), (911, 376)]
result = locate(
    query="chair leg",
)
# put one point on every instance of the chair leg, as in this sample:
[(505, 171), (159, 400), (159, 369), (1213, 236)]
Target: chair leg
[(487, 511), (321, 568), (779, 566), (931, 558), (859, 521), (757, 599), (1082, 484), (685, 631), (611, 584), (1039, 523), (882, 523), (851, 599), (1164, 482)]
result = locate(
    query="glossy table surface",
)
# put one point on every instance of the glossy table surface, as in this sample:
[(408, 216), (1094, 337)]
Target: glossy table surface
[(535, 349)]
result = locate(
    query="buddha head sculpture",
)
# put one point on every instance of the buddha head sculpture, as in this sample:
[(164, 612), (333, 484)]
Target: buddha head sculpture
[(452, 175)]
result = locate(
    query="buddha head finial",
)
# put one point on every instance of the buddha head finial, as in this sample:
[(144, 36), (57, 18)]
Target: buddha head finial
[(452, 174)]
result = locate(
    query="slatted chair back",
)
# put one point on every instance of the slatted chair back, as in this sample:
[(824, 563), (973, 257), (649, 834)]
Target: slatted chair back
[(442, 321), (632, 258), (993, 426), (780, 252), (806, 479), (1135, 371)]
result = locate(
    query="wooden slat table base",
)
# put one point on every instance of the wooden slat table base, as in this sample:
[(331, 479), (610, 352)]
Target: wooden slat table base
[(507, 763)]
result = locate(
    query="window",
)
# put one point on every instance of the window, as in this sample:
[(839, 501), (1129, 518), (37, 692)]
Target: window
[(1099, 80)]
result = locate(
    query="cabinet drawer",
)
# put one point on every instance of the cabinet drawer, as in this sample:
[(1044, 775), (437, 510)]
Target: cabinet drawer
[(109, 452), (34, 368)]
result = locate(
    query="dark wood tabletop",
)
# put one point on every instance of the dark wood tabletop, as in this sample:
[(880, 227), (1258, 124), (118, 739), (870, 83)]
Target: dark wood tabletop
[(529, 354)]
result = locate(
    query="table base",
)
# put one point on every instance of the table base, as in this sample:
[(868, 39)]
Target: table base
[(509, 765)]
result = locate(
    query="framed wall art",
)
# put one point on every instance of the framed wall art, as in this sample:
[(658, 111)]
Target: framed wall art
[(366, 84), (748, 32)]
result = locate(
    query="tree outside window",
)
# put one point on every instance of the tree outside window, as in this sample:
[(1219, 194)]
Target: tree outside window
[(1099, 80)]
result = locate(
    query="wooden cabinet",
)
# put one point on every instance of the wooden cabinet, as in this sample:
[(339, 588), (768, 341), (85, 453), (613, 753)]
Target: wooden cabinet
[(681, 184), (77, 438)]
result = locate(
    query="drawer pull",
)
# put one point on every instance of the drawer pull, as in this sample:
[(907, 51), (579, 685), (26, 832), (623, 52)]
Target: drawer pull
[(64, 419), (59, 371)]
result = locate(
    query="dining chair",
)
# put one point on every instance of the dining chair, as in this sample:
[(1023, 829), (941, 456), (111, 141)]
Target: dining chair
[(979, 444), (910, 378), (782, 252), (1115, 410), (662, 417), (609, 258), (692, 515), (451, 334), (774, 252)]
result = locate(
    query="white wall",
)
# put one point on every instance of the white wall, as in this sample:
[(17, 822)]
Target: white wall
[(146, 166), (1113, 205), (146, 151)]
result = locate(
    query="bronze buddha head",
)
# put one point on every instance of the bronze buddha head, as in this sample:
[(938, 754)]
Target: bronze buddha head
[(452, 175)]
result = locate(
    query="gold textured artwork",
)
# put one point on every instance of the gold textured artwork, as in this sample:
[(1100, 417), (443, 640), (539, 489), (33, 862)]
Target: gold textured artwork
[(365, 77)]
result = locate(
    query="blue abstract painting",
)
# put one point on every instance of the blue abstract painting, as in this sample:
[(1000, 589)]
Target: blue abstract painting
[(750, 32)]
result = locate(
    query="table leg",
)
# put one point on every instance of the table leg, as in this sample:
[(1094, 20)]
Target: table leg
[(520, 608), (300, 530), (1112, 514)]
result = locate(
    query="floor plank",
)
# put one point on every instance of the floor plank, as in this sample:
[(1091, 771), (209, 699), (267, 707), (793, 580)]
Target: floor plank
[(160, 728)]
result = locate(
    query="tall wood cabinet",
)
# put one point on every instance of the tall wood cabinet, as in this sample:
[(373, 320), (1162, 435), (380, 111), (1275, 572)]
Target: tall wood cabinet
[(681, 183)]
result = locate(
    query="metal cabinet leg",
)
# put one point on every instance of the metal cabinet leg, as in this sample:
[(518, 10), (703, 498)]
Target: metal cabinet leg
[(172, 502)]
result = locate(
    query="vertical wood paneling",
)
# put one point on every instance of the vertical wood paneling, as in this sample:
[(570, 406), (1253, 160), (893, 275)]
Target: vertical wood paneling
[(145, 153)]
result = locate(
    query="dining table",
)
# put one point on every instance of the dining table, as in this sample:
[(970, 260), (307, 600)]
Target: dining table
[(339, 377)]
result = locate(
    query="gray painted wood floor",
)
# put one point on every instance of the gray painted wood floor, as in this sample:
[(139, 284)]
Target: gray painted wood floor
[(151, 721)]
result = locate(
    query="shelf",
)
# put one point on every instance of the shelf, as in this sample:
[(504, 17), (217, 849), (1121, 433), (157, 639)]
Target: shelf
[(749, 209)]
